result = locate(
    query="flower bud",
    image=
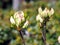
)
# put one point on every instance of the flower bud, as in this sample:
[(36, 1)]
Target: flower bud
[(12, 20), (38, 18), (19, 17), (51, 12), (26, 24), (40, 10), (44, 13), (59, 39)]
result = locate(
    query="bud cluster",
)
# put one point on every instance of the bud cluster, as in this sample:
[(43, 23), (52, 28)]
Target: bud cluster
[(18, 18), (44, 13)]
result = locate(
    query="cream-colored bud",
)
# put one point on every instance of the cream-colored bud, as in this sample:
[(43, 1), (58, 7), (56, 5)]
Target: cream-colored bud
[(41, 20), (19, 17), (59, 39), (44, 13), (39, 10), (18, 21), (51, 12), (38, 18), (26, 24), (12, 20), (18, 13)]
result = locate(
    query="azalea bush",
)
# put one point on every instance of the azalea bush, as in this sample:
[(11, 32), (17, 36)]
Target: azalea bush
[(31, 20)]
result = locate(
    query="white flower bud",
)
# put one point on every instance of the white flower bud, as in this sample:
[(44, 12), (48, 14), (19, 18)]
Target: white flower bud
[(26, 24), (12, 20), (45, 12), (19, 17), (18, 21), (51, 12), (19, 13), (38, 18), (40, 10), (59, 39), (41, 20)]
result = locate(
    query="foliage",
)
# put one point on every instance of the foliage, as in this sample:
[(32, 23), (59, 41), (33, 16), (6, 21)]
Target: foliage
[(53, 26)]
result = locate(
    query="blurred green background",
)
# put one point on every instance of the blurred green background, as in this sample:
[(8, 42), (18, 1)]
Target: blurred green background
[(30, 8)]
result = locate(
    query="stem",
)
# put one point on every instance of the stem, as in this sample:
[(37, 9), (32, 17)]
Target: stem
[(21, 34), (44, 33)]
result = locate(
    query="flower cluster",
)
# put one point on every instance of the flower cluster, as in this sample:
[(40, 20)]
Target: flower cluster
[(18, 18), (44, 13)]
